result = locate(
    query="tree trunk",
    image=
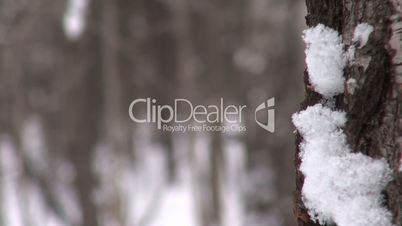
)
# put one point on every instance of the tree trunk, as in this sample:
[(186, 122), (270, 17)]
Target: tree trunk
[(82, 103), (374, 125)]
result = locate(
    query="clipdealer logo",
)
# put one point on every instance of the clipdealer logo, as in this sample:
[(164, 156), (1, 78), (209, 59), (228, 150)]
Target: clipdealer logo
[(183, 116), (268, 106)]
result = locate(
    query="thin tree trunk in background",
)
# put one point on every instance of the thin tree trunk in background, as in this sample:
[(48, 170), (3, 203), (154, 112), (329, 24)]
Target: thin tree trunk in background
[(161, 48), (81, 142), (195, 179), (166, 140), (374, 108), (110, 69), (2, 209), (217, 169), (82, 118), (116, 132)]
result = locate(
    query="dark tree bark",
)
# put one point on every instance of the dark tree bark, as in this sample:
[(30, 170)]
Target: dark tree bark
[(374, 107)]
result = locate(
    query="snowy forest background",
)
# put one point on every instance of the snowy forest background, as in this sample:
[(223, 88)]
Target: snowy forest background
[(71, 156)]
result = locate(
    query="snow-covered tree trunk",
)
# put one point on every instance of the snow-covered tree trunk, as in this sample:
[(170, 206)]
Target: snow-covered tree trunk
[(372, 90)]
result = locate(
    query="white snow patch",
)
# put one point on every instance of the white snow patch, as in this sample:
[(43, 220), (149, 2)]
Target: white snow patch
[(325, 60), (362, 33), (33, 144), (350, 54), (74, 18), (339, 187), (11, 171), (351, 85), (235, 163), (22, 200), (176, 207)]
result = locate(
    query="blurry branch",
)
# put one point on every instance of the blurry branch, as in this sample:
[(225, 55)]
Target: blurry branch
[(195, 178), (117, 134), (2, 209), (217, 160), (152, 208), (45, 187)]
